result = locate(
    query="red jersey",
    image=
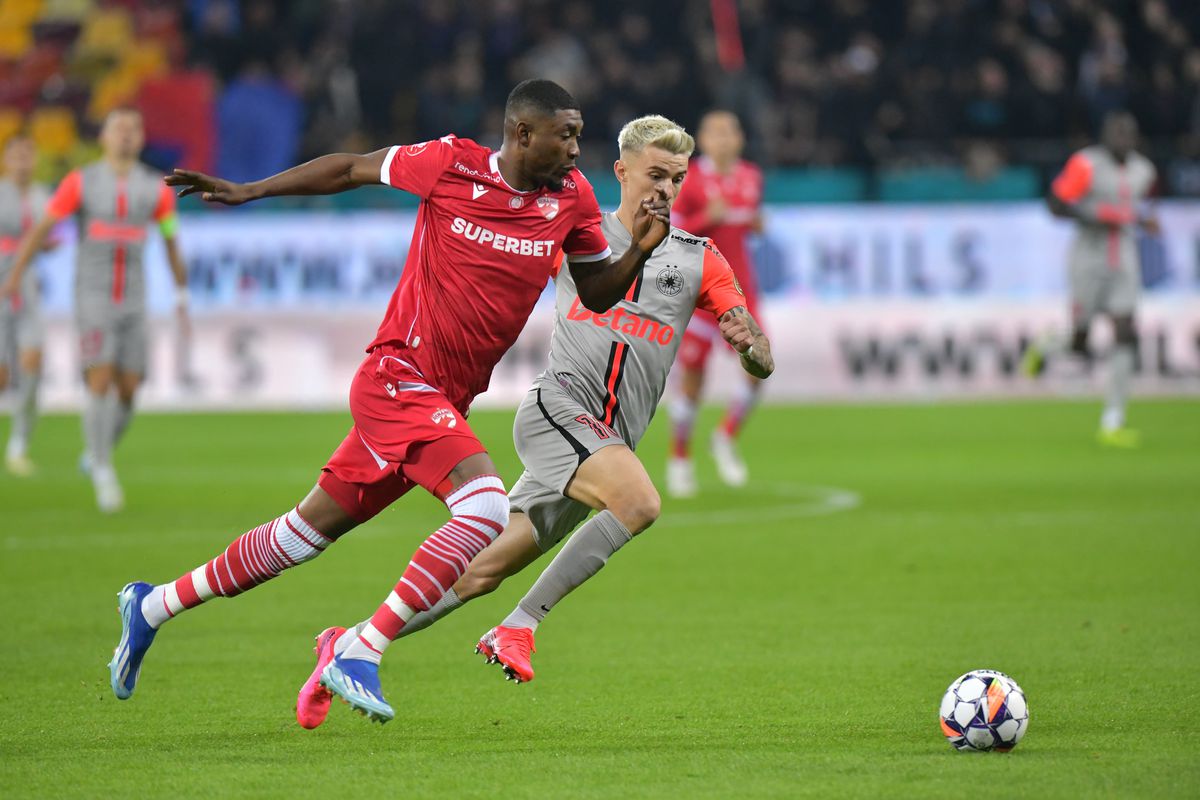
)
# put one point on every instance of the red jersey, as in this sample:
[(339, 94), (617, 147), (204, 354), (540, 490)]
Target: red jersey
[(741, 191), (480, 256)]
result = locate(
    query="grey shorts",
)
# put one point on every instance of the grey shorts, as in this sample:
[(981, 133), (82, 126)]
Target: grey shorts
[(110, 334), (1097, 288), (21, 329), (553, 434)]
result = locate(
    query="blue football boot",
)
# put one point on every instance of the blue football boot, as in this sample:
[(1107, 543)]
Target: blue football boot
[(136, 638), (357, 682)]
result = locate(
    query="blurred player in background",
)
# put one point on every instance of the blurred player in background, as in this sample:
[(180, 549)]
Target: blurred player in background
[(580, 422), (489, 226), (721, 200), (1103, 189), (21, 327), (115, 198)]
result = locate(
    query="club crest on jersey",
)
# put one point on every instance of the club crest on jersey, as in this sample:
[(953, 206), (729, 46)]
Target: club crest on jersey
[(548, 206), (444, 415), (669, 281), (515, 203)]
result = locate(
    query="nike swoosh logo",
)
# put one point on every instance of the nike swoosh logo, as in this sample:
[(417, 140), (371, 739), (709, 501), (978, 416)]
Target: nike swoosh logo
[(545, 609), (478, 191)]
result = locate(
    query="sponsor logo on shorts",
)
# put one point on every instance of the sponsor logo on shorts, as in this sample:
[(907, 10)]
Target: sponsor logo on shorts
[(622, 321), (669, 281), (442, 415), (538, 248)]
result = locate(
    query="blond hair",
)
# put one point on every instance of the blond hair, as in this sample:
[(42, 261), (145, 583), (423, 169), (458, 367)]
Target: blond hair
[(655, 131)]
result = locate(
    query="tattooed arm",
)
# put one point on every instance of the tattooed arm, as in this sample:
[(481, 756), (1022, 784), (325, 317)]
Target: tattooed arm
[(744, 335)]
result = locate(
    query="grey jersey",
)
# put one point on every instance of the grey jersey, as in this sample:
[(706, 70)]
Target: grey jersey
[(114, 213), (615, 364), (18, 211), (1112, 185)]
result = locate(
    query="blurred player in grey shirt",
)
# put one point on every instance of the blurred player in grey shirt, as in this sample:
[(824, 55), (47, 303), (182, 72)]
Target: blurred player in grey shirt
[(21, 327), (115, 199), (1103, 188), (579, 424)]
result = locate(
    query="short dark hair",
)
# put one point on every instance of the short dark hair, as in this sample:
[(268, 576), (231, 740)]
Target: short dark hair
[(538, 95)]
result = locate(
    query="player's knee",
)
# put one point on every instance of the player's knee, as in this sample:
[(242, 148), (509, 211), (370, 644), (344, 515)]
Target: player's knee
[(638, 510), (484, 502)]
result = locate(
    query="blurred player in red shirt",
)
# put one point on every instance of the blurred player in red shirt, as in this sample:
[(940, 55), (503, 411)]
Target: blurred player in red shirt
[(722, 200), (487, 233)]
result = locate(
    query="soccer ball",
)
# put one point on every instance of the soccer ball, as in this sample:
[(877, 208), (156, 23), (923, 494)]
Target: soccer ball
[(984, 710)]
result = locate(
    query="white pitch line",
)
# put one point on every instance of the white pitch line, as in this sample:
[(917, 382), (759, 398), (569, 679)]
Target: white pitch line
[(817, 501)]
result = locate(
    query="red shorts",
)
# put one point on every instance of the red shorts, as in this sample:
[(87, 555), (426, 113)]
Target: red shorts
[(702, 333), (406, 433)]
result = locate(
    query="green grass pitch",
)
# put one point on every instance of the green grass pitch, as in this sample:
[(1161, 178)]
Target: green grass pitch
[(747, 646)]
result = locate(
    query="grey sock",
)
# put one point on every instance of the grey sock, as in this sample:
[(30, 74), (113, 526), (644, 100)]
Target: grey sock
[(96, 428), (25, 408), (423, 619), (580, 558), (1120, 376)]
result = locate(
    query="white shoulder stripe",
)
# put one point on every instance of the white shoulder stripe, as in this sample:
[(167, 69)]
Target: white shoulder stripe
[(385, 172), (586, 258)]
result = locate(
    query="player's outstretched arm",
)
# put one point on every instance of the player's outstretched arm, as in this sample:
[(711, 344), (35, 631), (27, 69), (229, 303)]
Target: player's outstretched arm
[(325, 175), (745, 336), (602, 284)]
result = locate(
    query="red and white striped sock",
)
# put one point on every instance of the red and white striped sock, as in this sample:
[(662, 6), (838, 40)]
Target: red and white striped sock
[(254, 557), (683, 417), (479, 512), (743, 402)]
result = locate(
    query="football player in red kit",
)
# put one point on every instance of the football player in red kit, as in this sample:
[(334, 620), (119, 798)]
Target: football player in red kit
[(721, 200), (487, 233)]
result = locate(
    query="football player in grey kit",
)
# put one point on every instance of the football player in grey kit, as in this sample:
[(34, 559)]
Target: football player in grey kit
[(21, 328), (580, 422), (1102, 188), (115, 198)]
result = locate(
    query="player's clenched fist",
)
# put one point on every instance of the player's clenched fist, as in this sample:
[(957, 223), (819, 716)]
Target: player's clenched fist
[(215, 190), (736, 330)]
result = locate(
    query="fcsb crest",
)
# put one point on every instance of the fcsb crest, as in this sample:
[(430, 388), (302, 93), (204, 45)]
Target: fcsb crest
[(548, 206)]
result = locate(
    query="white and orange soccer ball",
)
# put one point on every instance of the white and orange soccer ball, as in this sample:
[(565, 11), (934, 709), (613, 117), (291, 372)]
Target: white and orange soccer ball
[(984, 710)]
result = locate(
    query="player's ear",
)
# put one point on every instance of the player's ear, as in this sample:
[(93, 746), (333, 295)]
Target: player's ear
[(524, 133), (619, 170)]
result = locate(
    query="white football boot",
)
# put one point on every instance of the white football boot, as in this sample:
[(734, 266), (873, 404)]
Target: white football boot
[(681, 477), (730, 466)]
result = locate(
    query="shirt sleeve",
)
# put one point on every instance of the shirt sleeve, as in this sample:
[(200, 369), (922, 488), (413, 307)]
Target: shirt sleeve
[(556, 268), (719, 288), (67, 197), (1074, 181), (586, 240), (416, 168), (164, 212)]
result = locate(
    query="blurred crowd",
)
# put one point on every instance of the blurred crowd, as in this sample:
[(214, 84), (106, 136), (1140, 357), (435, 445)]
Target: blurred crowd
[(831, 83)]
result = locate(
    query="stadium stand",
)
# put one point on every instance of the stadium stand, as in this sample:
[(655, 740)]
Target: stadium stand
[(914, 99)]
